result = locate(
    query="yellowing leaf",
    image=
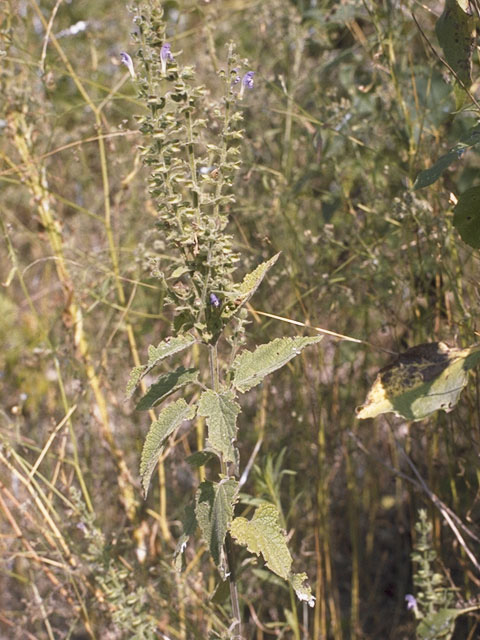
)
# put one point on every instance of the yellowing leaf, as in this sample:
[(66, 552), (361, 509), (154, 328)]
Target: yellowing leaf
[(424, 379), (263, 535)]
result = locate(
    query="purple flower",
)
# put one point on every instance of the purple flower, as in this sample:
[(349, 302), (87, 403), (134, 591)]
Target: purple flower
[(235, 77), (127, 61), (165, 56), (247, 83), (411, 602), (214, 300)]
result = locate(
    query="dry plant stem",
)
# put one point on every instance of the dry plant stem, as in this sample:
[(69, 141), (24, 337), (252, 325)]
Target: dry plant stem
[(38, 600), (353, 527), (39, 500), (287, 136), (32, 555), (446, 515), (451, 518), (35, 178), (326, 588), (13, 258)]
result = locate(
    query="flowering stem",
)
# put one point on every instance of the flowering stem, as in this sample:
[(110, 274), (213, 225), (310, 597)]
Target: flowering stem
[(236, 627), (193, 167)]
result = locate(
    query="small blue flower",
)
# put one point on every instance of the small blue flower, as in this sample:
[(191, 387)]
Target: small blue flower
[(127, 61), (165, 56), (247, 80), (235, 77), (247, 83), (214, 301), (411, 602)]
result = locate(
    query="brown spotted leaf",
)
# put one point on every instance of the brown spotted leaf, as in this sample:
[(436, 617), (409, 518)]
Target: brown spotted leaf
[(424, 379)]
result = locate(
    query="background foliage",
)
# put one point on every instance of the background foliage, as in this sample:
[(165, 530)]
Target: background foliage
[(350, 104)]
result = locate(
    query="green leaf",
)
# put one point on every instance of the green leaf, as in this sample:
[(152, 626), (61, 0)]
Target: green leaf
[(454, 29), (439, 625), (166, 385), (263, 535), (166, 348), (303, 591), (221, 411), (424, 379), (135, 377), (466, 217), (200, 458), (431, 175), (251, 367), (249, 285), (221, 593), (189, 522), (214, 513), (169, 419)]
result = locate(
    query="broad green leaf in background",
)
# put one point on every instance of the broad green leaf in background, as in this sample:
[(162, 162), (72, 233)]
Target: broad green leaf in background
[(251, 367), (431, 175), (455, 31), (249, 285), (262, 535), (214, 513), (167, 422), (165, 385), (424, 379), (166, 348), (466, 217), (221, 411)]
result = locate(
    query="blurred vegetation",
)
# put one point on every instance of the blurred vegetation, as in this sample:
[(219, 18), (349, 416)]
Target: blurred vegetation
[(350, 103)]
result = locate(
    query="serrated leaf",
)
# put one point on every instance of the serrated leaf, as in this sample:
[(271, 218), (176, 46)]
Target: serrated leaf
[(165, 385), (250, 284), (302, 588), (466, 217), (454, 29), (167, 422), (135, 377), (221, 411), (424, 379), (431, 175), (214, 513), (166, 348), (439, 625), (263, 535), (251, 367)]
